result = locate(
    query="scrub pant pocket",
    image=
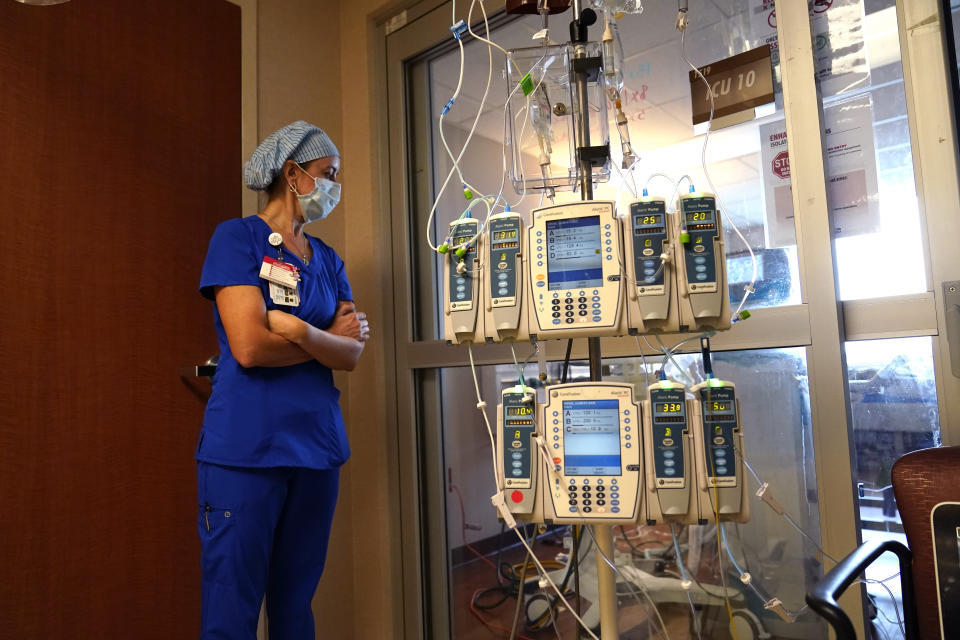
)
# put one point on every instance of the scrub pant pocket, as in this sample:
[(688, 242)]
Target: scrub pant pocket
[(217, 535)]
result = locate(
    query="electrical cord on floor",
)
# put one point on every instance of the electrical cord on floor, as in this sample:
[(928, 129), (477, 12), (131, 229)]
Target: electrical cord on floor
[(490, 625), (542, 619), (633, 547)]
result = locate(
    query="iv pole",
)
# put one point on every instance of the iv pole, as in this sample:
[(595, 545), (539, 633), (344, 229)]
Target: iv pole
[(602, 533)]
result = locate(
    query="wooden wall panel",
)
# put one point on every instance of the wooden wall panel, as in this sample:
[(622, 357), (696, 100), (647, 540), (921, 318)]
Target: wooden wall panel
[(119, 153)]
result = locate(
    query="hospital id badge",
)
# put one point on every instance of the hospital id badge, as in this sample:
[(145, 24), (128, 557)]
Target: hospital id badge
[(277, 272), (286, 296)]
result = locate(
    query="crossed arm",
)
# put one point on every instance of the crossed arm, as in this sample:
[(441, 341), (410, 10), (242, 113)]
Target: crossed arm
[(261, 338)]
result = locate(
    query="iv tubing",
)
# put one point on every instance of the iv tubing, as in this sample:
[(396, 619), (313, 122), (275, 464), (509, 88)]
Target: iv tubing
[(685, 579), (748, 289)]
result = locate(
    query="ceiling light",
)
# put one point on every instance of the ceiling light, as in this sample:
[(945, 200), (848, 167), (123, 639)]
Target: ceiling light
[(42, 2)]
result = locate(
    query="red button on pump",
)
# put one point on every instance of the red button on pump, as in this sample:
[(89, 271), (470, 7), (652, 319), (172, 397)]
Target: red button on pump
[(516, 496)]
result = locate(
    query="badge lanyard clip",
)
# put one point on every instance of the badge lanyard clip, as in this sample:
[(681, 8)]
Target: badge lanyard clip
[(283, 277)]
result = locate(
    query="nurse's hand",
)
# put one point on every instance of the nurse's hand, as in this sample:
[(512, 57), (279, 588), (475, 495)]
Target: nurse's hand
[(364, 326), (286, 325), (350, 323)]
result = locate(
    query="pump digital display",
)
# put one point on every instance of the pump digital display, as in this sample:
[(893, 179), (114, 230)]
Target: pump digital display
[(519, 411), (574, 259), (591, 437), (648, 220), (668, 407), (719, 407), (459, 240), (504, 235), (700, 216)]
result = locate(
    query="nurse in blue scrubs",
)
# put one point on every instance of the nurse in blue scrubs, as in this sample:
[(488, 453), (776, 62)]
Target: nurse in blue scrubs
[(273, 438)]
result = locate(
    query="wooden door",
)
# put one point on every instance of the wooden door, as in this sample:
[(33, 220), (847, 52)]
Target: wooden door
[(119, 153)]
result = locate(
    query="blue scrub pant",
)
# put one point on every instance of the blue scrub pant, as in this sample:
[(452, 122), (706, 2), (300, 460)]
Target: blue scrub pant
[(263, 532)]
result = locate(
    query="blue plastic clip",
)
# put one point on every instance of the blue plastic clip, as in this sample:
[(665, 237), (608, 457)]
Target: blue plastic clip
[(459, 29), (446, 107)]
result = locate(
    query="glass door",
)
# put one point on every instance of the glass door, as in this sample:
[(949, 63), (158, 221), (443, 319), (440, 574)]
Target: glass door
[(833, 393)]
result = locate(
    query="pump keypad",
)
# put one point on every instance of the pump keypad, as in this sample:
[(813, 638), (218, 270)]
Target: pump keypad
[(592, 495)]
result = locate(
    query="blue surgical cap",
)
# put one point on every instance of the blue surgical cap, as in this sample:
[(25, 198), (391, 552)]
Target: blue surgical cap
[(299, 141)]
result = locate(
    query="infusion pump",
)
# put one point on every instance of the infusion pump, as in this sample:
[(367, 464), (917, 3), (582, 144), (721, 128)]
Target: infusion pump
[(593, 434), (648, 238), (574, 259), (462, 320), (517, 452), (718, 453), (701, 264), (670, 484), (504, 292)]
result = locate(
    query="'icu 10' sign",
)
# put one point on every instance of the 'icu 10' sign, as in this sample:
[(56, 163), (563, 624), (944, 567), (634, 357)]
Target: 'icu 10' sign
[(737, 83)]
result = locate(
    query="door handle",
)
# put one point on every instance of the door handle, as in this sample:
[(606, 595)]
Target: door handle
[(205, 370)]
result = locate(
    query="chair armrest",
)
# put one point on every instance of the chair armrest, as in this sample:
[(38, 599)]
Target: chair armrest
[(823, 597)]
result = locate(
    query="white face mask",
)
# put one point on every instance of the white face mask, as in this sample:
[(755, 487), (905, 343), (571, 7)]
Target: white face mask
[(318, 204)]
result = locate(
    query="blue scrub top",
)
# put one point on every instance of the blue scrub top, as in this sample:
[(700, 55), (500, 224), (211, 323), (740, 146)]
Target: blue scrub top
[(273, 416)]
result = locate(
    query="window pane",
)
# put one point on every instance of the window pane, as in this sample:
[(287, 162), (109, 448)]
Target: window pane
[(871, 189), (893, 406), (772, 387)]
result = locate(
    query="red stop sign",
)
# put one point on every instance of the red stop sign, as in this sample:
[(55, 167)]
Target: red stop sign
[(781, 165)]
